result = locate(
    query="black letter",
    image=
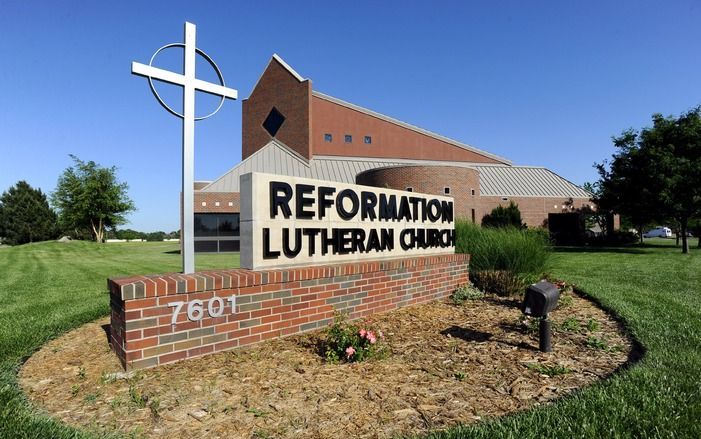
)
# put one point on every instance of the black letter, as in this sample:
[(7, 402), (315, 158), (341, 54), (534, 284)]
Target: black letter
[(302, 190), (267, 254), (447, 211), (412, 237), (322, 192), (404, 211), (434, 216), (341, 209), (291, 252), (282, 201), (367, 206), (312, 241), (388, 208)]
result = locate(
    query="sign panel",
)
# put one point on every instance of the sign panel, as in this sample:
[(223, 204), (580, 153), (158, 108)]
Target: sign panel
[(288, 221)]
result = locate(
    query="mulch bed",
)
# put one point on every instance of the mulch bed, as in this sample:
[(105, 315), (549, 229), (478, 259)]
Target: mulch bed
[(449, 364)]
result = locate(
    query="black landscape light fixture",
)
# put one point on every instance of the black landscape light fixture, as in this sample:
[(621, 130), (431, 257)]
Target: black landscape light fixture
[(540, 299)]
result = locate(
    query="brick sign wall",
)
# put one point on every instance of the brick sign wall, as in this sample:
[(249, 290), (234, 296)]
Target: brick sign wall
[(166, 318)]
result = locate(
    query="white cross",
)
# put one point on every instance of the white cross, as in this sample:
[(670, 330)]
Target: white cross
[(189, 84)]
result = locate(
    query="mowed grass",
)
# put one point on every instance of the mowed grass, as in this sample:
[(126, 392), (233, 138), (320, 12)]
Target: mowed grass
[(49, 288), (656, 292)]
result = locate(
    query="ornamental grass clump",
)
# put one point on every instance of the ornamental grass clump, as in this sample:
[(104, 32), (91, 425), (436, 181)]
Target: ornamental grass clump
[(350, 343), (503, 260)]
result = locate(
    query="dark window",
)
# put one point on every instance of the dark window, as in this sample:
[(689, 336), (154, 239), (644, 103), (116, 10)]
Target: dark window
[(216, 224), (206, 246), (348, 138), (410, 189), (229, 246), (367, 140), (473, 191), (273, 122), (504, 199), (446, 190), (473, 216), (205, 225), (328, 137), (229, 225)]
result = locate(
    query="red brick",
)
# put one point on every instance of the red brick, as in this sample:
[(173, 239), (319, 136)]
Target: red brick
[(169, 358)]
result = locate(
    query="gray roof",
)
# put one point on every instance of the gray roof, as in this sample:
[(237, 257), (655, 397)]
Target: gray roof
[(526, 181), (495, 180)]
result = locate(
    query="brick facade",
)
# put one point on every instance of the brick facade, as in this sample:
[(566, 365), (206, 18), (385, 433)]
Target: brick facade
[(217, 202), (389, 140), (430, 180), (278, 88), (462, 182), (534, 210), (268, 303)]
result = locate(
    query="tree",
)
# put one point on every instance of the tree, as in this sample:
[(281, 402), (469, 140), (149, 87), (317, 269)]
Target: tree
[(25, 215), (89, 198), (656, 173), (509, 216)]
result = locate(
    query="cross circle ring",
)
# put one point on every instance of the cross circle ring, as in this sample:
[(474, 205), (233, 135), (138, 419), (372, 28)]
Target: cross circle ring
[(211, 63)]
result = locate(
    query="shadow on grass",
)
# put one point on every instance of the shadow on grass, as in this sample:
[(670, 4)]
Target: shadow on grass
[(624, 250), (172, 252)]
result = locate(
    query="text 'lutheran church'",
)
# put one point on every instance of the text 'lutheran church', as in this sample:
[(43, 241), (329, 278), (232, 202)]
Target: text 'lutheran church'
[(291, 129)]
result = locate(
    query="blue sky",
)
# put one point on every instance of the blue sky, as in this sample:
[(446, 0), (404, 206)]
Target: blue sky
[(540, 83)]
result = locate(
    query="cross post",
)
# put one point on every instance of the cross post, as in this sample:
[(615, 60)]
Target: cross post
[(190, 84)]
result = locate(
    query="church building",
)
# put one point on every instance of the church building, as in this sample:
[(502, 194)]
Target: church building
[(291, 129)]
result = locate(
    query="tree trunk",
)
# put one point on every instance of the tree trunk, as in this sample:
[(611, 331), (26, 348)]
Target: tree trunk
[(640, 230), (685, 239), (97, 231)]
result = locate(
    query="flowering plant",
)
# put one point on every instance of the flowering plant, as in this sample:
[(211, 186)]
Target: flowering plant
[(350, 343)]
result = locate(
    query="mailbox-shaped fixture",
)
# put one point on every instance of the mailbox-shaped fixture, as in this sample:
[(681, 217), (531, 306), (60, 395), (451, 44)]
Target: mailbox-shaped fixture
[(540, 299)]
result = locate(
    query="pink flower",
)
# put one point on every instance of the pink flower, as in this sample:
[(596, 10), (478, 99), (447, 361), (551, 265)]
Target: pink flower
[(371, 337), (362, 333), (349, 352)]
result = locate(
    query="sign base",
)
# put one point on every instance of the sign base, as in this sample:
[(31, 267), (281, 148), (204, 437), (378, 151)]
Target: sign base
[(161, 319)]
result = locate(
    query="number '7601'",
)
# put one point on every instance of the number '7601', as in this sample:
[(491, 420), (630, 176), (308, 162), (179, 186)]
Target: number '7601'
[(216, 307)]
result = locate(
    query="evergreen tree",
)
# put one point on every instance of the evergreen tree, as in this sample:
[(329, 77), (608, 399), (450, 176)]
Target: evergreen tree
[(509, 216), (25, 215)]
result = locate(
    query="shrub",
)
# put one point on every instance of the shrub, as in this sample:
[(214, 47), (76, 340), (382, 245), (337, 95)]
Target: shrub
[(350, 343), (503, 260), (509, 216), (466, 292), (615, 239), (500, 282)]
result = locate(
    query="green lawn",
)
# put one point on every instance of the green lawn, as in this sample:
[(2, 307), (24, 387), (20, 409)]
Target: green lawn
[(49, 288)]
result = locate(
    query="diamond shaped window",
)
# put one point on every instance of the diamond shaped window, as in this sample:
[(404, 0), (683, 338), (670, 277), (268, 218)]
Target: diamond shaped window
[(273, 122)]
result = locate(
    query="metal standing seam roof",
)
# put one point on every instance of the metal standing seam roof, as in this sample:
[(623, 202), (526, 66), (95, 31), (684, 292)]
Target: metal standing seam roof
[(526, 181), (495, 180)]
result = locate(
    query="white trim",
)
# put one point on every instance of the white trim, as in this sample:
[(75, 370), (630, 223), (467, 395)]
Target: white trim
[(286, 66), (409, 161), (408, 126)]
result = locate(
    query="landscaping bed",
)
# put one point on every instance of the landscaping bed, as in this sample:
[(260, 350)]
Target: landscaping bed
[(448, 365)]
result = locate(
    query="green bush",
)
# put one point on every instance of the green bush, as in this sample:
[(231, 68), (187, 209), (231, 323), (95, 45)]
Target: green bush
[(466, 292), (509, 216), (503, 260), (350, 343)]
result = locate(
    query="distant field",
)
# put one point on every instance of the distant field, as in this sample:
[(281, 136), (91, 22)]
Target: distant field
[(49, 288)]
